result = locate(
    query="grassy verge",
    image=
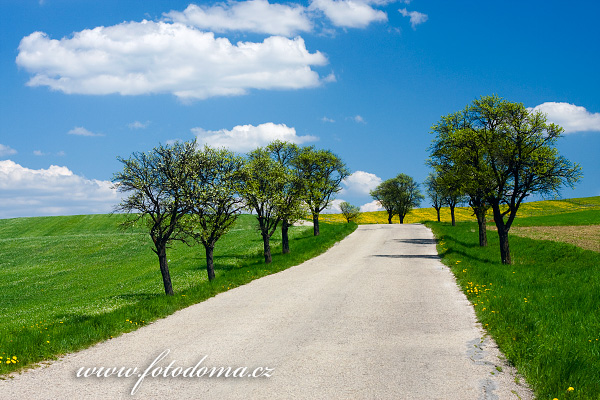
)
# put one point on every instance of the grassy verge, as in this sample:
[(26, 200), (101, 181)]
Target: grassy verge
[(543, 311), (70, 282)]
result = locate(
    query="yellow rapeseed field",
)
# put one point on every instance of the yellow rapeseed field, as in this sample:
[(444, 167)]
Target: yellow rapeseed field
[(419, 215)]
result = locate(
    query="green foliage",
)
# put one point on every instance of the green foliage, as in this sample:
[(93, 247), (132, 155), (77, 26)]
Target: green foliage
[(70, 282), (499, 153), (542, 310), (213, 197), (263, 189), (350, 212), (398, 196), (433, 188), (322, 173)]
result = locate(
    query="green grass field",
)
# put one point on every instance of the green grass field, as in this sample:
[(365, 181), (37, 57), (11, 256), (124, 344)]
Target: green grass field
[(69, 282), (544, 310)]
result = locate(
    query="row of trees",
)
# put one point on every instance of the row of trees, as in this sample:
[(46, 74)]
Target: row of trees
[(494, 154), (183, 193)]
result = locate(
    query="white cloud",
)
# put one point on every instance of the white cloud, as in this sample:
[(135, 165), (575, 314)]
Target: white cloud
[(251, 16), (359, 119), (360, 183), (138, 125), (571, 117), (244, 138), (146, 57), (325, 119), (334, 207), (372, 206), (39, 153), (52, 191), (416, 17), (81, 131), (349, 13), (6, 150)]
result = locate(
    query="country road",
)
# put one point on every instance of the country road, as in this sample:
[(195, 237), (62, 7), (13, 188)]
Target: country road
[(376, 317)]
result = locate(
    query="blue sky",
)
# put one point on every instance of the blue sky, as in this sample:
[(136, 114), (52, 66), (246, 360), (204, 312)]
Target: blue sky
[(85, 81)]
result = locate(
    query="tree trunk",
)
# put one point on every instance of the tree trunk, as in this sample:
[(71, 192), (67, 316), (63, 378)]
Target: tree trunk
[(480, 213), (210, 267), (401, 218), (390, 216), (267, 248), (504, 248), (316, 225), (502, 235), (285, 242), (452, 215), (161, 251), (438, 213)]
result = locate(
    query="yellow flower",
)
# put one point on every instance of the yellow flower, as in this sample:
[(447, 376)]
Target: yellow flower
[(570, 389)]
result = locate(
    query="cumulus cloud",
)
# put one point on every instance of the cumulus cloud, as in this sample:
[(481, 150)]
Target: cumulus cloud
[(571, 117), (349, 13), (81, 131), (244, 138), (359, 119), (325, 119), (372, 206), (6, 150), (147, 57), (53, 191), (360, 183), (251, 16), (416, 17)]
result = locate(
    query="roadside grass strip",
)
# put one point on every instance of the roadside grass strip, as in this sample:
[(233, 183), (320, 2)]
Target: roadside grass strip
[(70, 282), (543, 310)]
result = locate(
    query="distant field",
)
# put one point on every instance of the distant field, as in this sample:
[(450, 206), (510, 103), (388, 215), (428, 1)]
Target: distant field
[(540, 209), (68, 282)]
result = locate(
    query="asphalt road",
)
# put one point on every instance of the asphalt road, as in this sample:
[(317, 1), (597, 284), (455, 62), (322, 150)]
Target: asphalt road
[(376, 317)]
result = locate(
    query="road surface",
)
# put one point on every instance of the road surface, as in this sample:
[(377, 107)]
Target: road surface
[(375, 317)]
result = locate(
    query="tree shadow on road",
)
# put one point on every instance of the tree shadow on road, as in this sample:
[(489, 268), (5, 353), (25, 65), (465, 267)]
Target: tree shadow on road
[(426, 256), (416, 241)]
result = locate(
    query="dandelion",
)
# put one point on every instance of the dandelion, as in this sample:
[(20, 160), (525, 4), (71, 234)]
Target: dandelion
[(570, 389)]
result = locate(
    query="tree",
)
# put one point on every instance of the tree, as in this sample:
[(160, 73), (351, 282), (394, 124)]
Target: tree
[(322, 172), (263, 190), (434, 191), (213, 196), (407, 197), (459, 157), (452, 192), (349, 211), (156, 182), (384, 193), (291, 207), (398, 195), (516, 156)]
